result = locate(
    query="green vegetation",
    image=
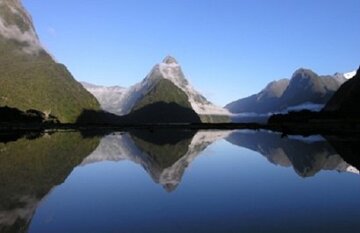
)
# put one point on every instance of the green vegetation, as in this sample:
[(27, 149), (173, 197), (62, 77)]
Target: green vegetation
[(215, 119), (37, 82), (164, 91)]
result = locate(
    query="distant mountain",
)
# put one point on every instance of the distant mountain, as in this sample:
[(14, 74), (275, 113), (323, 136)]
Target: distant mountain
[(305, 89), (164, 86), (265, 101), (346, 99), (29, 76), (108, 97)]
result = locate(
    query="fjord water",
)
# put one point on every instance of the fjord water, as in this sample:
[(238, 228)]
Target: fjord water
[(178, 181)]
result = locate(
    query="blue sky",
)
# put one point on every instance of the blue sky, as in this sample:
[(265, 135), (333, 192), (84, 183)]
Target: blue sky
[(228, 48)]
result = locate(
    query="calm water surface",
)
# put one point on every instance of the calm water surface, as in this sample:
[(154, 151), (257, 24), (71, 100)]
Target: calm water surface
[(179, 181)]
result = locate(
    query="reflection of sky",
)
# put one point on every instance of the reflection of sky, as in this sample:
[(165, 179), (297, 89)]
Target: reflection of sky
[(225, 188)]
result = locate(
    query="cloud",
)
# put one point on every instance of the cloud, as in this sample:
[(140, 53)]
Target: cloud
[(29, 38)]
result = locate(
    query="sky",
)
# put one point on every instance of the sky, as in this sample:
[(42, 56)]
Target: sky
[(228, 49)]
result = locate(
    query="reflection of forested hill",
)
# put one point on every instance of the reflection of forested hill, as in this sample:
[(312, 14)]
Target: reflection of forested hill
[(29, 169), (164, 154), (307, 156)]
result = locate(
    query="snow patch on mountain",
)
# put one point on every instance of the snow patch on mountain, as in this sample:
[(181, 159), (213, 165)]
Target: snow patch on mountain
[(350, 75), (172, 71)]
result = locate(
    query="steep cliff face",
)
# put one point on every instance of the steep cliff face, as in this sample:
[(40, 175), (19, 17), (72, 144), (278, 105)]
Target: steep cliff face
[(29, 76), (346, 99)]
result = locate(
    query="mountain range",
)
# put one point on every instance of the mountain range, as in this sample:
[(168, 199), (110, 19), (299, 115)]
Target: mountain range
[(31, 81), (164, 87), (29, 77), (305, 90)]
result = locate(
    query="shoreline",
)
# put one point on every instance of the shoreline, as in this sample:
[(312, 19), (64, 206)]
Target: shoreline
[(286, 128)]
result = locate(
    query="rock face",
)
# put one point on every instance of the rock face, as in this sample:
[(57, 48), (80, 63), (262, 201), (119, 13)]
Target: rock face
[(305, 90), (346, 99), (166, 84), (29, 76)]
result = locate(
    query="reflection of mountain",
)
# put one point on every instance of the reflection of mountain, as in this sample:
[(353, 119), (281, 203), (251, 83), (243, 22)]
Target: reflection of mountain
[(348, 148), (164, 154), (308, 156), (29, 169)]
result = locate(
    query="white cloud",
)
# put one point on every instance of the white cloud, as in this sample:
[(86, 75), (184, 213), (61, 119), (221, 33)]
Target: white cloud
[(29, 37)]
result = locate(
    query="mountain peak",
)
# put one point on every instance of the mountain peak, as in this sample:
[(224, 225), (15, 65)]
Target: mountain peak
[(170, 60), (302, 73)]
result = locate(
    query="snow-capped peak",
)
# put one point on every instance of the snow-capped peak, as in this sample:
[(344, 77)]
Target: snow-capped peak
[(350, 75), (168, 69), (171, 70)]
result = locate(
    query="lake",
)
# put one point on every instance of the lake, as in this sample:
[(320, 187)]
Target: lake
[(178, 181)]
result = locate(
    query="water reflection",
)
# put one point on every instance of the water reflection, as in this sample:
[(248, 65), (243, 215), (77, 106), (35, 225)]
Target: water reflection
[(307, 155), (164, 154), (30, 169), (32, 165)]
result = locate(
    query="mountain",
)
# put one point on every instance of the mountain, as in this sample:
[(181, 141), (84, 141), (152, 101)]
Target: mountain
[(108, 97), (346, 99), (164, 87), (307, 156), (305, 90), (263, 102), (29, 77)]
